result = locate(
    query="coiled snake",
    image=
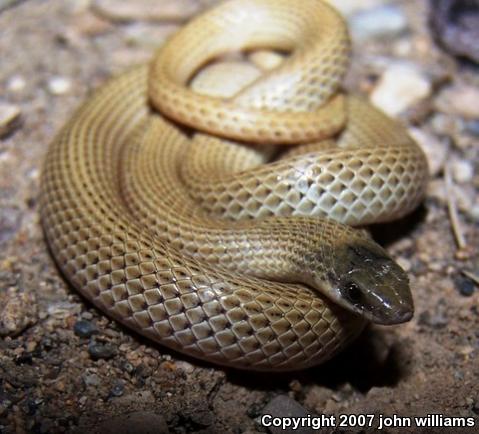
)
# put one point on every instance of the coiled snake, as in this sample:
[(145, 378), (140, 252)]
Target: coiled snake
[(158, 207)]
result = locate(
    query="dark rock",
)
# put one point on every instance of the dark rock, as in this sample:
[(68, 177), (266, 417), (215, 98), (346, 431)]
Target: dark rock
[(84, 328), (118, 388), (456, 26), (127, 366), (465, 287), (101, 351), (25, 357)]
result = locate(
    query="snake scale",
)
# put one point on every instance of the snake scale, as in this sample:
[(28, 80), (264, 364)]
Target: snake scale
[(190, 217)]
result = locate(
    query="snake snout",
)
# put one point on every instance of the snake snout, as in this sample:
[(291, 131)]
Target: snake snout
[(371, 284)]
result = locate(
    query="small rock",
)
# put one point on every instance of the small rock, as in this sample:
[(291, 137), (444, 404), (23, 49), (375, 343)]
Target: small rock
[(462, 171), (16, 83), (140, 422), (435, 150), (87, 315), (465, 287), (386, 20), (10, 222), (118, 388), (84, 329), (472, 127), (59, 85), (284, 406), (474, 211), (465, 350), (437, 321), (399, 88), (146, 35), (146, 10), (128, 367), (91, 379), (348, 7), (88, 24), (101, 351), (404, 263), (18, 310), (456, 26), (185, 366), (9, 118), (461, 100)]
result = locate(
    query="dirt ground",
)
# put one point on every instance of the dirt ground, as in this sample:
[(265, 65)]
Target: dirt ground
[(65, 367)]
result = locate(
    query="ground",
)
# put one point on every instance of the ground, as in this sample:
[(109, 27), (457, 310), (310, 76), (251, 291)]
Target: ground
[(65, 367)]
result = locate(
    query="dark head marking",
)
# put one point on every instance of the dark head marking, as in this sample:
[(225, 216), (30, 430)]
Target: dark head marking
[(364, 279)]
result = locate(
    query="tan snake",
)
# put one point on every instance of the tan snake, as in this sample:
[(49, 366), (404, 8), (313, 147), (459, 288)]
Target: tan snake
[(191, 240)]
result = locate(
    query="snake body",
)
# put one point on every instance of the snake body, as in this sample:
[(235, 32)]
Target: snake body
[(191, 240)]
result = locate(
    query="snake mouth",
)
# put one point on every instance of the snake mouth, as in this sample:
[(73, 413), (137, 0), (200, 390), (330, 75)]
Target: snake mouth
[(388, 316)]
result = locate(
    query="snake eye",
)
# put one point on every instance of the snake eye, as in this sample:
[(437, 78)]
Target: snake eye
[(351, 291)]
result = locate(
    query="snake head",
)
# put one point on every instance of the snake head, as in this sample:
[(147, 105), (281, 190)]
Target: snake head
[(366, 280)]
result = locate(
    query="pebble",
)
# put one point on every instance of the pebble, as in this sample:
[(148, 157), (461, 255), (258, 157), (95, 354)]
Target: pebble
[(86, 23), (140, 422), (399, 88), (462, 171), (101, 351), (465, 287), (349, 7), (456, 25), (186, 367), (10, 223), (472, 127), (404, 263), (461, 100), (147, 35), (84, 329), (435, 149), (16, 83), (118, 388), (18, 310), (9, 118), (284, 406), (382, 21), (146, 10), (87, 315), (59, 85), (437, 321), (91, 379)]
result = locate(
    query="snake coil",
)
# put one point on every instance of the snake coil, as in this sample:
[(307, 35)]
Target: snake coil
[(196, 240)]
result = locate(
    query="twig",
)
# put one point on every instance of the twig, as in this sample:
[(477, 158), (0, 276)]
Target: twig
[(472, 276), (452, 209)]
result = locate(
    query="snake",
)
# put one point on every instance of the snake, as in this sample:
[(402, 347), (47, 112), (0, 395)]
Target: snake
[(230, 227)]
